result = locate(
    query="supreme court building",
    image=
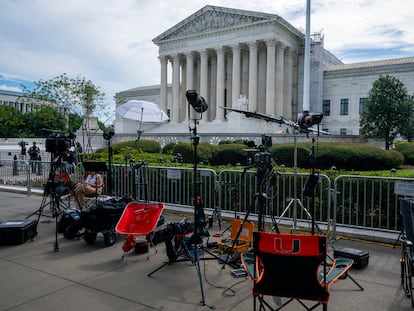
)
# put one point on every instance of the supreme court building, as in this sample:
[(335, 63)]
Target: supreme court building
[(254, 61)]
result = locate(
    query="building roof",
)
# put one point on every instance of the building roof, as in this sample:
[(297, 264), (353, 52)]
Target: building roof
[(375, 63)]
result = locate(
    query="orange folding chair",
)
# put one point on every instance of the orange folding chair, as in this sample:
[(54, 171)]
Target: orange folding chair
[(294, 266), (139, 219), (243, 240)]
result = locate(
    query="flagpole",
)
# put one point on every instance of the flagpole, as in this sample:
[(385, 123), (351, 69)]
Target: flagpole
[(306, 68)]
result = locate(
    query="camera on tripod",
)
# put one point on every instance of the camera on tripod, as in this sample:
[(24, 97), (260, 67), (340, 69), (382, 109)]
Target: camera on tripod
[(261, 156), (58, 144), (307, 119)]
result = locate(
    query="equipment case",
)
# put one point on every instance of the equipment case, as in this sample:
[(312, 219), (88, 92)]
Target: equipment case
[(360, 257), (14, 232)]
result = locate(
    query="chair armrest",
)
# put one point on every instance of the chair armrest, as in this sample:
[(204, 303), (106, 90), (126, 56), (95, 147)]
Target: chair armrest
[(248, 260), (339, 267)]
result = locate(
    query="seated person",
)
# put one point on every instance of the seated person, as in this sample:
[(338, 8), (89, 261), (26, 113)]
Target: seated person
[(92, 184)]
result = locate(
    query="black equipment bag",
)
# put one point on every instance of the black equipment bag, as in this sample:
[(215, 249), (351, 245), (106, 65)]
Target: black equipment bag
[(14, 232), (360, 257)]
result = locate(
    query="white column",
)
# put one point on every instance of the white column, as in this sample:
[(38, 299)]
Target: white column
[(235, 94), (270, 76), (212, 109), (280, 71), (203, 74), (220, 96), (253, 76), (190, 71), (176, 88), (183, 101), (190, 77), (164, 84), (287, 107)]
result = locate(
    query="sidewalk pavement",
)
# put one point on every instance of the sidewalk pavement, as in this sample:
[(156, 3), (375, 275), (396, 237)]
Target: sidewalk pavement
[(94, 277)]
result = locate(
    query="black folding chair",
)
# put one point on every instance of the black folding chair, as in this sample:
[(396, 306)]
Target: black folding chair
[(407, 240), (294, 266)]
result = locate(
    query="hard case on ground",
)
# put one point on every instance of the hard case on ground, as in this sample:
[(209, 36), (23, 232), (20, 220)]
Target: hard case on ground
[(14, 232), (360, 257)]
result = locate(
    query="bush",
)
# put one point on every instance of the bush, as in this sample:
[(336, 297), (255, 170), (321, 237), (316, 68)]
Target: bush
[(284, 154), (360, 157), (233, 154), (204, 152), (342, 156), (169, 148), (407, 150), (150, 146)]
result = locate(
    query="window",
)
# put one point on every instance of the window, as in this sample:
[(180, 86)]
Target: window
[(326, 107), (344, 106), (362, 102), (342, 131)]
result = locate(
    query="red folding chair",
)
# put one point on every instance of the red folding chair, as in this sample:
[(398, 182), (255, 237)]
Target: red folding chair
[(294, 266), (139, 219)]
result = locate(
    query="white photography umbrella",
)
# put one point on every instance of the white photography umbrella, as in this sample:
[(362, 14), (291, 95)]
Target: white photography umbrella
[(143, 111)]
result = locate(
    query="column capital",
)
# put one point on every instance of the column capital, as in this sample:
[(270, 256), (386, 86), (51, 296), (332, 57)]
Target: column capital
[(163, 59), (189, 54), (280, 45), (219, 50), (252, 45), (203, 53), (235, 47), (289, 52), (271, 43)]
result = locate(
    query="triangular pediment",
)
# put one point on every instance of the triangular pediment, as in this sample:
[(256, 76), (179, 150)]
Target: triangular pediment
[(213, 18)]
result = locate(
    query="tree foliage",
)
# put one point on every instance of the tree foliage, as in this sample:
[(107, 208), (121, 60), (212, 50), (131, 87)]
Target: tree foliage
[(76, 95), (44, 118), (388, 110), (11, 122)]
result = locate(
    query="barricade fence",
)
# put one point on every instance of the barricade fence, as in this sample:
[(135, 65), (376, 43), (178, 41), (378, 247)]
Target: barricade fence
[(352, 201)]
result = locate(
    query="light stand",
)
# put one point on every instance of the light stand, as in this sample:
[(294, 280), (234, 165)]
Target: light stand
[(295, 201), (194, 243), (108, 136)]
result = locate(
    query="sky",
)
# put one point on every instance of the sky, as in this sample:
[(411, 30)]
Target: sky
[(110, 42)]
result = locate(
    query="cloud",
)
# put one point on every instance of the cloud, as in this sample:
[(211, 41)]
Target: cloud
[(110, 42)]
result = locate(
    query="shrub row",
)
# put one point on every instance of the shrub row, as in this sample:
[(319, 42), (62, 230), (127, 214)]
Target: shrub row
[(407, 150), (342, 156)]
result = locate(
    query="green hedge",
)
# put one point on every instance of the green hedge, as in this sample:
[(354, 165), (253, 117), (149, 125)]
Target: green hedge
[(342, 156), (233, 154), (283, 154), (204, 152), (407, 150)]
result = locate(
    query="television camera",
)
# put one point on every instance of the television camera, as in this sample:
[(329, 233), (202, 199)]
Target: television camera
[(58, 144)]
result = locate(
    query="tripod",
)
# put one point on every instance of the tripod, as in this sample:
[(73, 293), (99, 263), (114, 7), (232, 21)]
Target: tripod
[(58, 184), (264, 170)]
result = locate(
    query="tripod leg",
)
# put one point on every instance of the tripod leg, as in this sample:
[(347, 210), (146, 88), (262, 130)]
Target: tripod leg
[(197, 264)]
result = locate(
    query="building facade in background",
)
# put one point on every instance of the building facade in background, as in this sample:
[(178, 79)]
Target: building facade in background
[(254, 61)]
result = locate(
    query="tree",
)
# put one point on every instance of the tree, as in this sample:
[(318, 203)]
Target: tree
[(11, 122), (44, 118), (76, 95), (388, 110)]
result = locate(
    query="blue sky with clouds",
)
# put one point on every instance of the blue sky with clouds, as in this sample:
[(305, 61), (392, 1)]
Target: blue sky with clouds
[(110, 42)]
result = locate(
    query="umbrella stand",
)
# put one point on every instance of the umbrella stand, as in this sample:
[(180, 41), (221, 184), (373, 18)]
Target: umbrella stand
[(127, 155)]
